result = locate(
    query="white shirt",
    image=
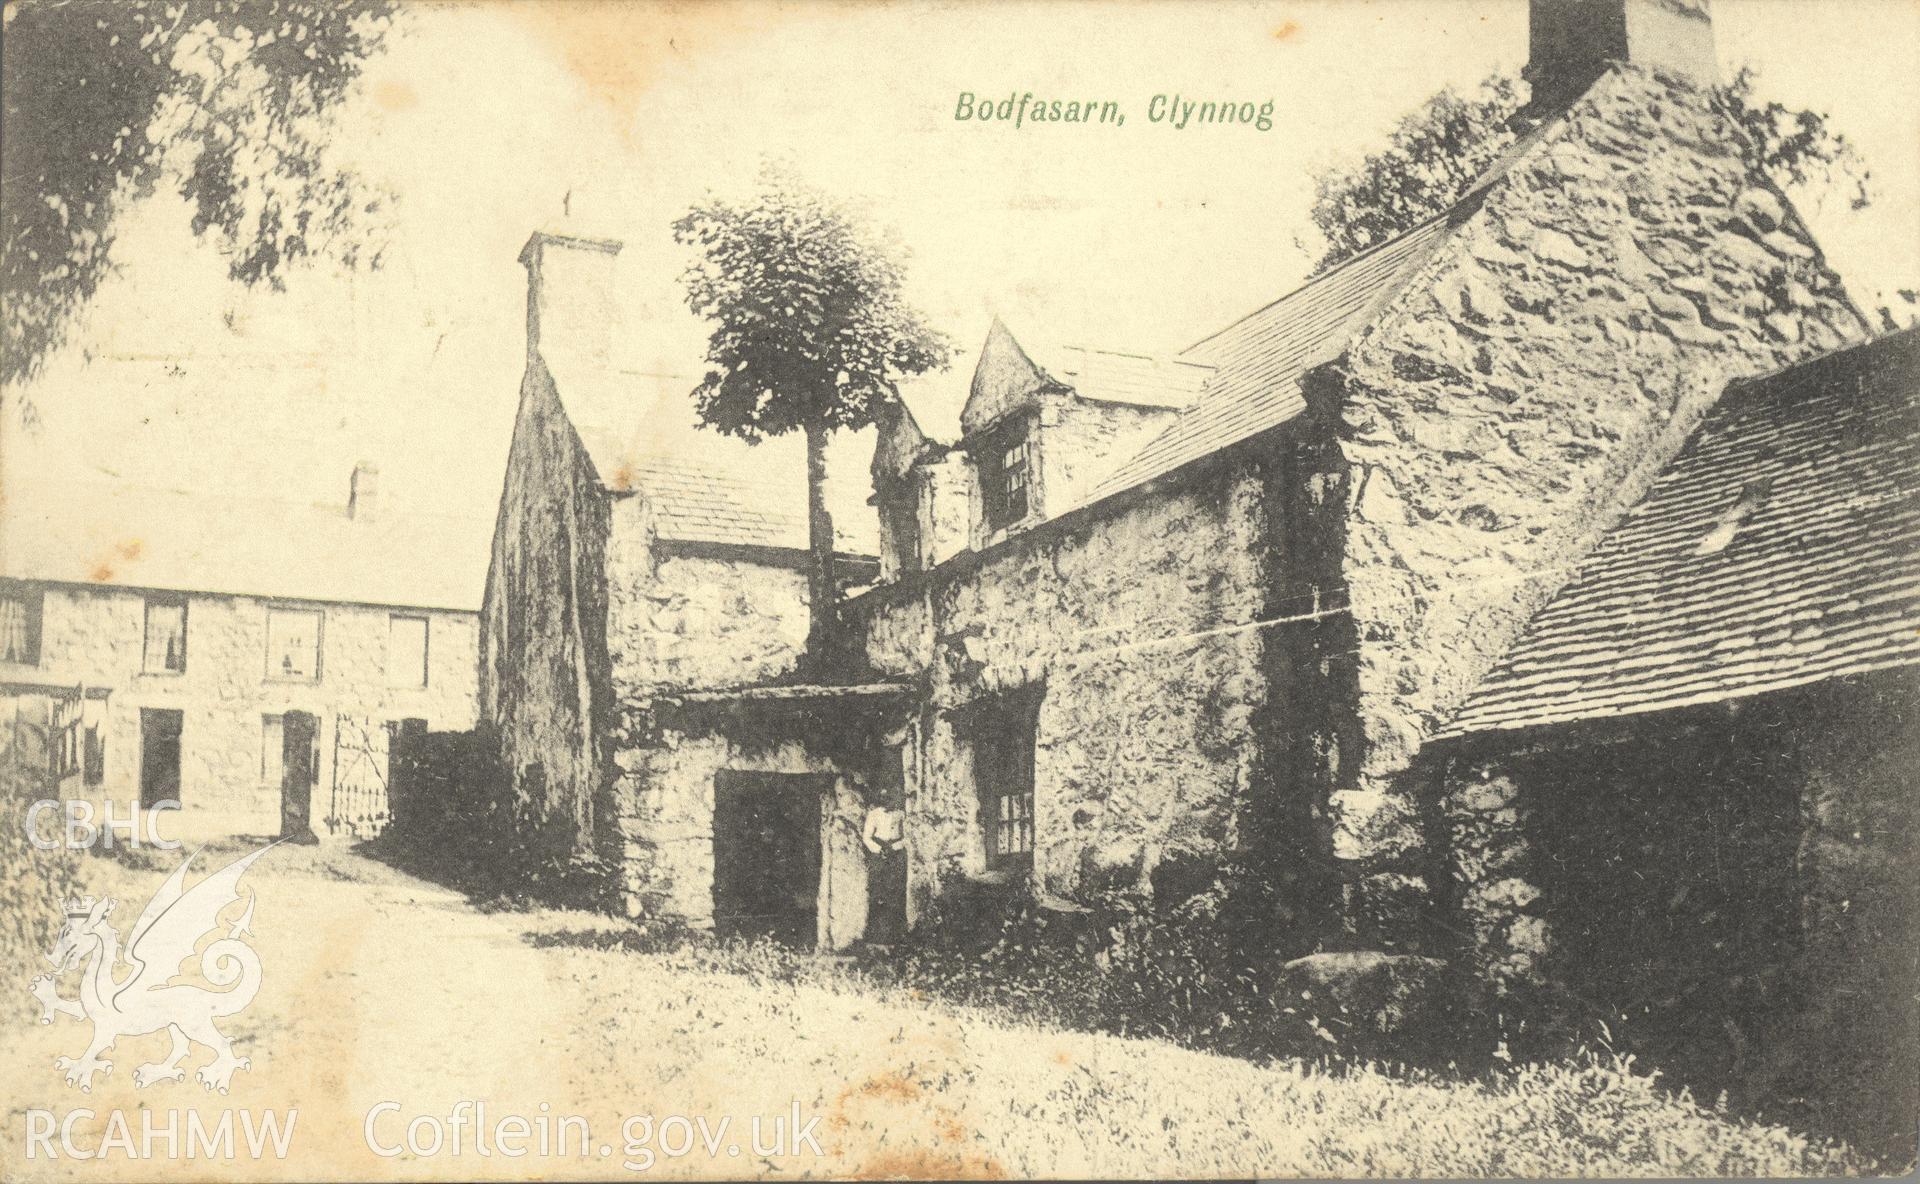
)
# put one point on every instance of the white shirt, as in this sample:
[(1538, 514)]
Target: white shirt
[(885, 830)]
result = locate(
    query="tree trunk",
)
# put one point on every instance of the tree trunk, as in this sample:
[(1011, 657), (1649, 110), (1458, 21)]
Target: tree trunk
[(822, 611)]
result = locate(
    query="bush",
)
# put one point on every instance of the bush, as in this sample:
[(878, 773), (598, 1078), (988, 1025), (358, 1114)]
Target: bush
[(34, 883), (1191, 962)]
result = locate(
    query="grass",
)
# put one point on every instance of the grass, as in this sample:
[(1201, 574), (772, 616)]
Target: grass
[(909, 1080), (948, 1065), (1101, 1104)]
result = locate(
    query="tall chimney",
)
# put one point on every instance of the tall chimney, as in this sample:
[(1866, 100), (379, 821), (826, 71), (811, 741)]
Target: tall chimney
[(1572, 42), (363, 493), (570, 305)]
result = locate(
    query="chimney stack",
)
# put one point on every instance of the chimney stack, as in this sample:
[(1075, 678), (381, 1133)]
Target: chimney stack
[(363, 493), (570, 306), (1572, 42)]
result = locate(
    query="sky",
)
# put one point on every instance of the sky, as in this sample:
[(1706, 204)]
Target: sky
[(490, 120)]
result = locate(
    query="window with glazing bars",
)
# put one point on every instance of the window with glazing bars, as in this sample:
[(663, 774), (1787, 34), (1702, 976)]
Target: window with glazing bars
[(1005, 472), (1003, 771)]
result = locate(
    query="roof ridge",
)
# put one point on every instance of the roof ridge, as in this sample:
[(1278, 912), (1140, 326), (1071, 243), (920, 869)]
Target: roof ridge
[(1522, 143), (1157, 359), (1316, 279), (1748, 382)]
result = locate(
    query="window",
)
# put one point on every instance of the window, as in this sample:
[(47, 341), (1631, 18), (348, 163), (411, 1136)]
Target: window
[(63, 737), (900, 529), (19, 624), (273, 750), (94, 742), (1003, 774), (406, 651), (1004, 471), (166, 650), (293, 644)]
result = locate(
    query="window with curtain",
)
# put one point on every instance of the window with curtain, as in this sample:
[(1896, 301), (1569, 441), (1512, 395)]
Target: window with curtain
[(19, 624), (166, 647), (293, 644)]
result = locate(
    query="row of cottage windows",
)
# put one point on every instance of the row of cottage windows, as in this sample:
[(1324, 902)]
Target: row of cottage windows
[(292, 645), (77, 745)]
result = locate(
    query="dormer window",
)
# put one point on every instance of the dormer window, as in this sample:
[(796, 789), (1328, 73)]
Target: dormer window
[(1005, 474)]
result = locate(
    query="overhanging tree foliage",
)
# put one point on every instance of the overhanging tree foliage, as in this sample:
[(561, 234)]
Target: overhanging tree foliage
[(812, 333), (225, 99), (1440, 149)]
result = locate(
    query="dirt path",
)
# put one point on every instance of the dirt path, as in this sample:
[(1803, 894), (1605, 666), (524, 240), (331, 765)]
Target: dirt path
[(381, 988)]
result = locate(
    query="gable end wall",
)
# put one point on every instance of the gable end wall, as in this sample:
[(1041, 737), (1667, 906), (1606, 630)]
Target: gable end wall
[(1530, 383)]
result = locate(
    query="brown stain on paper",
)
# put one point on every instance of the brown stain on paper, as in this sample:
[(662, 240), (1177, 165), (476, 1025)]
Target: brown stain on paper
[(394, 95), (920, 1164), (615, 48), (105, 568), (950, 1157), (1286, 30)]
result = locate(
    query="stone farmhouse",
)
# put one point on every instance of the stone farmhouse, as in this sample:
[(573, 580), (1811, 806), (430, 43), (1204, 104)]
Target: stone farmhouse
[(246, 657), (1482, 591)]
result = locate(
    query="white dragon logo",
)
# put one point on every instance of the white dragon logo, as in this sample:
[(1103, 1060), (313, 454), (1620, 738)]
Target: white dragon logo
[(142, 1001)]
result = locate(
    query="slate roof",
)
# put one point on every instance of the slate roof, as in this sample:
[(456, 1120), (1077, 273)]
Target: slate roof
[(1112, 376), (639, 433), (114, 534), (1260, 359), (935, 401), (1778, 549), (695, 503)]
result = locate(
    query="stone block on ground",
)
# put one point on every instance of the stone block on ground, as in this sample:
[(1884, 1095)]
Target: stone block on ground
[(1370, 992)]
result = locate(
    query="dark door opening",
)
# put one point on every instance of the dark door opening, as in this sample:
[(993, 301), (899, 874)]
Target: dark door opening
[(766, 854), (299, 769), (159, 755)]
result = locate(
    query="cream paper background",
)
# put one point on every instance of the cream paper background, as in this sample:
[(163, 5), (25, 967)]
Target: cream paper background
[(489, 120)]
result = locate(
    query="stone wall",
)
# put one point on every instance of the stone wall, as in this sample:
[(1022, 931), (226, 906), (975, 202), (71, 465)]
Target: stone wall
[(946, 504), (682, 618), (545, 683), (1861, 907), (1141, 624), (1533, 377), (1081, 440), (665, 790), (96, 636)]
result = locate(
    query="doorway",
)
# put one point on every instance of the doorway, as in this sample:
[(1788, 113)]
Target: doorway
[(159, 755), (766, 854), (299, 770)]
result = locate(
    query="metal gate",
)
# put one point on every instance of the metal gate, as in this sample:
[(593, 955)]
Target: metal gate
[(360, 806)]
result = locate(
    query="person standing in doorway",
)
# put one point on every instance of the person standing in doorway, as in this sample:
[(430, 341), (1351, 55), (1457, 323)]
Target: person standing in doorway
[(883, 834)]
